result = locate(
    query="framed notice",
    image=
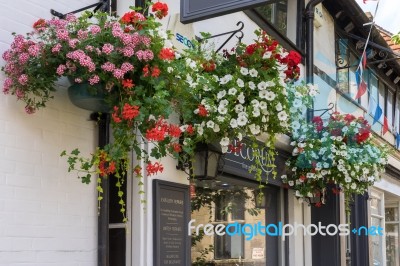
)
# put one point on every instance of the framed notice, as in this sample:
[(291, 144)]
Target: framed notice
[(171, 217)]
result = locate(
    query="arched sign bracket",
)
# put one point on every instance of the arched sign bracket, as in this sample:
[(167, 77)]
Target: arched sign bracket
[(102, 6), (232, 33)]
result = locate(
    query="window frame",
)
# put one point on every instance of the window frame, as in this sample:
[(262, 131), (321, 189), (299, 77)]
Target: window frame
[(264, 24)]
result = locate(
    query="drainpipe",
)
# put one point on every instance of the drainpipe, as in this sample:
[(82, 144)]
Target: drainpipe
[(104, 211), (309, 17)]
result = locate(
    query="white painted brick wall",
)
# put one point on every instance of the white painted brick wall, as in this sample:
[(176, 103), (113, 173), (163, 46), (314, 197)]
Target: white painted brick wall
[(47, 216)]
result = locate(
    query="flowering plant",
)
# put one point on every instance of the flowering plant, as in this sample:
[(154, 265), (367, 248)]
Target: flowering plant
[(236, 94), (339, 151), (127, 56), (215, 97)]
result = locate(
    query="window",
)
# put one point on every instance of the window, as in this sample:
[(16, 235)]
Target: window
[(227, 201), (280, 18), (377, 243), (397, 114), (276, 14), (392, 222), (389, 107), (373, 90)]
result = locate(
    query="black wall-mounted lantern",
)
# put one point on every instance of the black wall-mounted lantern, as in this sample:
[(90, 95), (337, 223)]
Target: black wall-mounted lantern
[(207, 162)]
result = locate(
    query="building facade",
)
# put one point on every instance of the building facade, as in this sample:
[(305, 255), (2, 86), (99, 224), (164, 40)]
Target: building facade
[(47, 217)]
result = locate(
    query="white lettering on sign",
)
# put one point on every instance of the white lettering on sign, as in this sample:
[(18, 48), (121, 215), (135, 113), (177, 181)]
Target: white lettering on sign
[(247, 153)]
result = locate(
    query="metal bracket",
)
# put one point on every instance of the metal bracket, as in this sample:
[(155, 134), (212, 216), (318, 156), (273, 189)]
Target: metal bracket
[(102, 6), (330, 107), (232, 33)]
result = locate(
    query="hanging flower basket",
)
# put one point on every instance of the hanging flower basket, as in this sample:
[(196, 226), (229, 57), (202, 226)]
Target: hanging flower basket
[(339, 154)]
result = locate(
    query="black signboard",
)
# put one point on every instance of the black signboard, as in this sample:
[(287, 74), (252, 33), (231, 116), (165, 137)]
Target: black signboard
[(195, 10), (171, 218), (239, 162)]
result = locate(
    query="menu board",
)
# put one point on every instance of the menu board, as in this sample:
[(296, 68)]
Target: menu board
[(171, 218)]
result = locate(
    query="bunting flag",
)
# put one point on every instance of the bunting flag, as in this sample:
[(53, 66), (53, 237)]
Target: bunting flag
[(361, 89), (364, 59), (385, 127), (397, 140), (377, 114), (358, 75)]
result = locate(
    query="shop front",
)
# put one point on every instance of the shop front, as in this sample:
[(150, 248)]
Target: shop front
[(229, 213)]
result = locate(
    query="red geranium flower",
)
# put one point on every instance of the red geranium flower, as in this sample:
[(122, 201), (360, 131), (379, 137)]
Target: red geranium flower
[(115, 115), (166, 54), (176, 147), (155, 72), (294, 58), (209, 66), (129, 112), (154, 168), (132, 17), (39, 25), (127, 83), (160, 9), (202, 110)]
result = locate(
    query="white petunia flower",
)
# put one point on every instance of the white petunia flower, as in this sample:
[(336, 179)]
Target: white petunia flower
[(225, 79), (297, 103), (233, 123), (254, 129), (224, 102), (239, 136), (264, 119), (267, 55), (221, 94), (291, 183), (232, 91), (222, 110), (255, 103), (295, 125), (253, 73), (240, 83), (170, 69), (270, 96), (216, 128), (210, 124), (279, 107), (239, 108), (252, 86), (242, 114), (256, 112), (282, 116), (224, 141), (241, 97), (224, 149), (200, 130), (263, 94), (244, 71), (347, 179), (263, 105), (262, 85), (242, 120)]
